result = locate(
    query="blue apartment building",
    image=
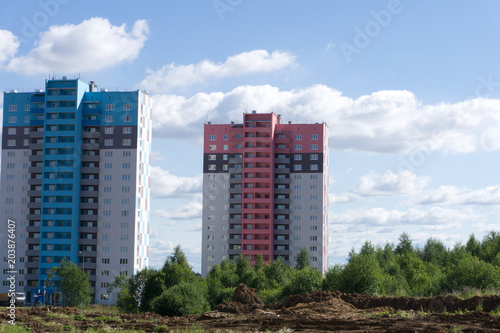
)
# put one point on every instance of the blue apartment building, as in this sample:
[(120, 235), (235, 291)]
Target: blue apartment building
[(75, 178)]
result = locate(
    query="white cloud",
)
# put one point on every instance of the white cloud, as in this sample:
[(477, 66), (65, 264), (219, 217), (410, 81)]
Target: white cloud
[(8, 45), (256, 61), (89, 46), (394, 122), (342, 198), (382, 217), (164, 184), (391, 184), (190, 211), (451, 195)]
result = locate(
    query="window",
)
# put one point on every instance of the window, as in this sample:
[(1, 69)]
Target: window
[(212, 137), (108, 130), (313, 228), (212, 147), (225, 167), (313, 207), (314, 147), (225, 157), (314, 157), (212, 157), (125, 213), (12, 131), (127, 142), (125, 189), (314, 167), (297, 187), (108, 165), (124, 237), (12, 108), (226, 137), (127, 118), (108, 142), (127, 106), (297, 167), (12, 120), (296, 238), (123, 261), (125, 177), (11, 143), (126, 153), (109, 119), (313, 218), (124, 225), (298, 147), (313, 197), (123, 249), (314, 187), (298, 137), (297, 177), (26, 131), (314, 177), (297, 157), (313, 238), (110, 107), (127, 130), (108, 153), (126, 165), (108, 177), (314, 136)]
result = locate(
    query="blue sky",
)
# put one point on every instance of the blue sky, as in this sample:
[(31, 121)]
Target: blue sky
[(410, 91)]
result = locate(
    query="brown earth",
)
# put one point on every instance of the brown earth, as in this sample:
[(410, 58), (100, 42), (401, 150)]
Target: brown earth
[(313, 312)]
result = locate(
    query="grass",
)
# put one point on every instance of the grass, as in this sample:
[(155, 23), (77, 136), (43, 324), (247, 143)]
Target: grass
[(107, 319), (404, 314), (8, 328), (469, 292)]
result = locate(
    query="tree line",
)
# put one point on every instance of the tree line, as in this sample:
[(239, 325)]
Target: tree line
[(389, 270)]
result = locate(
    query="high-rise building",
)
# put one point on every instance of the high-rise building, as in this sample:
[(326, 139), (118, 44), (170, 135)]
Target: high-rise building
[(75, 180), (265, 191)]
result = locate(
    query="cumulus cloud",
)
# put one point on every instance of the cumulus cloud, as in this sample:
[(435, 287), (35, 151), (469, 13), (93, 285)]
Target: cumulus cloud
[(165, 184), (89, 46), (256, 61), (391, 184), (342, 198), (393, 122), (8, 45), (434, 216), (451, 195), (190, 211)]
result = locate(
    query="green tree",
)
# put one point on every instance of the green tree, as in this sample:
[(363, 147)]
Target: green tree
[(73, 283), (181, 300), (362, 275), (435, 252), (125, 300), (471, 271), (473, 246), (303, 259), (244, 270), (177, 269), (154, 286), (332, 280), (217, 291), (405, 245), (303, 281)]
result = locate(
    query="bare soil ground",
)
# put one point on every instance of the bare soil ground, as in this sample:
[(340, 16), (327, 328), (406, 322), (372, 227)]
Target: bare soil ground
[(313, 312)]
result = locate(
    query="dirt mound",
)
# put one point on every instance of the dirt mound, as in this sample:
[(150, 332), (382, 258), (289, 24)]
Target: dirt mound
[(244, 300)]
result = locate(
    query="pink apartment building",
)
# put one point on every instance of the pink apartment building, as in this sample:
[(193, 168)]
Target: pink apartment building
[(265, 191)]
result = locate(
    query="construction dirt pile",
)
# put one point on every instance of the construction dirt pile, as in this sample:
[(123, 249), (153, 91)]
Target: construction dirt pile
[(312, 312)]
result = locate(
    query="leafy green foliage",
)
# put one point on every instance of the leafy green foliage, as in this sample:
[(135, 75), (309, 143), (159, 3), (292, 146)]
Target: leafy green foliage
[(303, 259), (180, 300), (73, 283)]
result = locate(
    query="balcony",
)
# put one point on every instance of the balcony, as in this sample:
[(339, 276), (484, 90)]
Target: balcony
[(281, 242), (281, 201), (35, 181), (88, 217), (34, 193), (89, 205), (91, 135), (235, 160), (84, 241), (36, 135), (91, 111), (34, 146), (93, 194), (31, 276), (233, 251), (235, 170), (33, 229), (89, 181), (235, 190), (234, 210), (282, 180), (35, 217), (282, 231), (89, 158), (88, 265), (282, 170), (282, 190), (90, 146), (281, 221), (234, 231), (235, 200), (235, 180), (87, 230), (35, 158), (34, 205), (89, 170), (34, 241), (281, 252), (35, 169)]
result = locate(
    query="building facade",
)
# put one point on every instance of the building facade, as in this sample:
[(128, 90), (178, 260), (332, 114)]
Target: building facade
[(265, 191), (75, 180)]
